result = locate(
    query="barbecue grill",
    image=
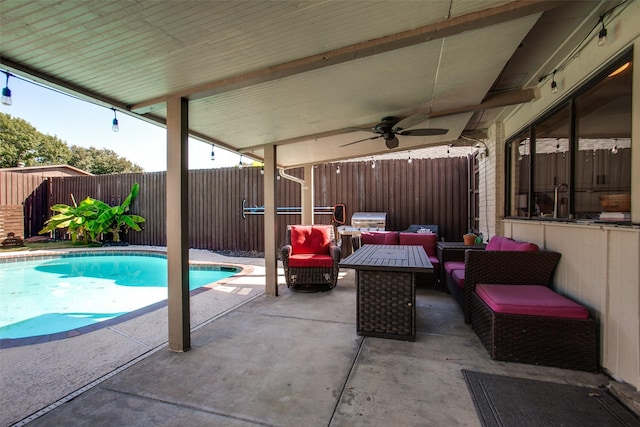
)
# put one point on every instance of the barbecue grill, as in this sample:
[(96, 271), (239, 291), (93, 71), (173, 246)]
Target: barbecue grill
[(364, 221)]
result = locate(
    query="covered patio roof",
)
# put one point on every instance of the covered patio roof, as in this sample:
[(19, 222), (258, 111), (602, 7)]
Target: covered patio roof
[(300, 75), (291, 82)]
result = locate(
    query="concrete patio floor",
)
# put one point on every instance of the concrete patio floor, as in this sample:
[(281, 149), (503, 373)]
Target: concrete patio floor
[(296, 360)]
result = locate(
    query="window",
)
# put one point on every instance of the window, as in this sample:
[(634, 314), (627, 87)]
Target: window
[(576, 160)]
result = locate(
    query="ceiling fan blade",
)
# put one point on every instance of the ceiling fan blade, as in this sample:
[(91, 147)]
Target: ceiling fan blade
[(423, 132), (361, 140), (410, 121), (391, 143)]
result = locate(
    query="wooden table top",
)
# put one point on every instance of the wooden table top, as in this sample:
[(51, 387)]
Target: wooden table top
[(401, 258)]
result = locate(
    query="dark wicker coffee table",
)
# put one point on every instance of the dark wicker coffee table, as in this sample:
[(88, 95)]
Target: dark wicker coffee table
[(386, 289)]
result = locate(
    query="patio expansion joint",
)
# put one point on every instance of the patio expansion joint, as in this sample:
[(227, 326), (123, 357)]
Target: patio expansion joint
[(324, 321), (239, 417), (346, 381), (129, 337)]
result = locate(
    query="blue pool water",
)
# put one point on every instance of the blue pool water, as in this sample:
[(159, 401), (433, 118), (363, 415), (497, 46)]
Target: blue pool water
[(41, 297)]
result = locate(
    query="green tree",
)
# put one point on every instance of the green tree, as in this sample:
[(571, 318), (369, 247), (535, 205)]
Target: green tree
[(18, 142), (21, 142), (100, 161)]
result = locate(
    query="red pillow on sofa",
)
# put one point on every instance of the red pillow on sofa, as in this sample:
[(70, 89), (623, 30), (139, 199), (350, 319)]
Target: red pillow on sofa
[(379, 237), (500, 243), (310, 239), (426, 240)]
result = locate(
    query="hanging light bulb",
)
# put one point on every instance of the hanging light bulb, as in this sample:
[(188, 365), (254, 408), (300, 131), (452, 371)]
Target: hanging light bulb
[(602, 35), (240, 162), (114, 124), (213, 153), (554, 85), (262, 169), (409, 160), (373, 164), (614, 150), (338, 170), (6, 92)]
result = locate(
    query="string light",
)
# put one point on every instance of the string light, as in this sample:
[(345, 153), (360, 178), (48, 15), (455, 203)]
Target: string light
[(338, 170), (554, 85), (6, 92), (240, 162), (602, 34), (373, 164), (602, 40), (213, 153), (114, 123), (409, 160)]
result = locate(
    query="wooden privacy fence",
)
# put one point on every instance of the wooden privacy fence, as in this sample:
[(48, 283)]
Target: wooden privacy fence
[(28, 194), (426, 191)]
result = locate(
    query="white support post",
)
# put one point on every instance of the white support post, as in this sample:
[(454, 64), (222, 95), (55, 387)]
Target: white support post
[(270, 245), (178, 225), (307, 196)]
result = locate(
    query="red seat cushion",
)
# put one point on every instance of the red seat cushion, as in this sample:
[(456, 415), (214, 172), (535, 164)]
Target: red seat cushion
[(426, 240), (379, 237), (310, 260), (449, 266), (500, 243), (532, 300), (458, 277), (310, 239)]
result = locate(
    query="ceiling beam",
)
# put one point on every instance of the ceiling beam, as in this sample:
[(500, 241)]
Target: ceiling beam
[(435, 31), (493, 100)]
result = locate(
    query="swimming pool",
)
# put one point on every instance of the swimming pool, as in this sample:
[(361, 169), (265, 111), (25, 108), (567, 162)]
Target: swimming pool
[(49, 295)]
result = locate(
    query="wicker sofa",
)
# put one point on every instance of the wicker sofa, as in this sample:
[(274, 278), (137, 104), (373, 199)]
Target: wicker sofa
[(505, 292), (504, 260), (310, 258), (427, 240)]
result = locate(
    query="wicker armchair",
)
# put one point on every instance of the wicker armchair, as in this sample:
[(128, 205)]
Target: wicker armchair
[(310, 258)]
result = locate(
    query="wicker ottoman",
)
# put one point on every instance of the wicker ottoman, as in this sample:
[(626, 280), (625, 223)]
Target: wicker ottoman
[(538, 340)]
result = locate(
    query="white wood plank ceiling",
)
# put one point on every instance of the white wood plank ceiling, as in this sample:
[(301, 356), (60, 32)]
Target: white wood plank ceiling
[(298, 74)]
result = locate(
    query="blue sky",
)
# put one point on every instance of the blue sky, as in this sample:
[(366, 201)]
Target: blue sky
[(81, 123)]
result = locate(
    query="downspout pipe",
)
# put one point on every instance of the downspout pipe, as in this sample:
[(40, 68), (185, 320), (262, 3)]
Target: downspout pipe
[(307, 202), (300, 181)]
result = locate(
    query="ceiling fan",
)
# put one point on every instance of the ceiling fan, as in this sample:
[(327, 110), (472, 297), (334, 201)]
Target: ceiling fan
[(391, 126)]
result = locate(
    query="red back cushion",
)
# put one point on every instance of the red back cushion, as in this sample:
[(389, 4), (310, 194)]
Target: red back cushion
[(426, 240), (499, 243), (379, 237), (310, 239)]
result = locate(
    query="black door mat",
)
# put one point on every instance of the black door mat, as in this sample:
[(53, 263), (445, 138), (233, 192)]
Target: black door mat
[(509, 401)]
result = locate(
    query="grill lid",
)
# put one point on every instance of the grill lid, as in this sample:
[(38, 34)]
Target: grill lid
[(369, 220)]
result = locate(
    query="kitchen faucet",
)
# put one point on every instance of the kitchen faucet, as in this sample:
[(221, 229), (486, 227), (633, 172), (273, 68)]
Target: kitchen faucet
[(555, 198)]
